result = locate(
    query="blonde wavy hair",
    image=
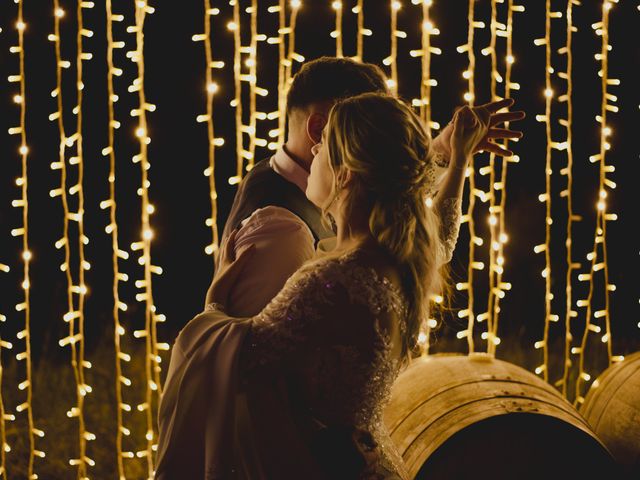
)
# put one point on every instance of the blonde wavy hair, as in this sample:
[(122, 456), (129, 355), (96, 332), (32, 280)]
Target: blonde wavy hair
[(386, 147)]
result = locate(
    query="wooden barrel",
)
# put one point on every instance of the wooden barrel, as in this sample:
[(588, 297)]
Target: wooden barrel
[(612, 408), (458, 417)]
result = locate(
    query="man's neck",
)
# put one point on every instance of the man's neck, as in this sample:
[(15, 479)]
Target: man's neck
[(298, 153)]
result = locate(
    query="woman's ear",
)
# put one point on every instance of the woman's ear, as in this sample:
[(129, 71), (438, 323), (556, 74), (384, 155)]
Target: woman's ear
[(315, 123)]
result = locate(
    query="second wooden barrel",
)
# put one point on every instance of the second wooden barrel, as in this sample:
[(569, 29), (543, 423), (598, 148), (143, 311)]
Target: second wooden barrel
[(458, 417), (612, 408)]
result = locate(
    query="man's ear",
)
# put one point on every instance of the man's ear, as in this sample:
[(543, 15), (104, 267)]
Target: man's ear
[(315, 123)]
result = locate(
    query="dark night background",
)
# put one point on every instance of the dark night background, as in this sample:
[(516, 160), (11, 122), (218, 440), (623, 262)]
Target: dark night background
[(175, 73)]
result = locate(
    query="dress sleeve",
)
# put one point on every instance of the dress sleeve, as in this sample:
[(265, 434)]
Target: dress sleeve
[(450, 226), (440, 159), (283, 244), (320, 305)]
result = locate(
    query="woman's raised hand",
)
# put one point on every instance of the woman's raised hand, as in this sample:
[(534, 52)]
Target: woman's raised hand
[(469, 129), (497, 131)]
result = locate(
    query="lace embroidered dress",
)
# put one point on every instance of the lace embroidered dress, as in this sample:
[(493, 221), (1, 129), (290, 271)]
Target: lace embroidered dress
[(333, 336), (336, 327)]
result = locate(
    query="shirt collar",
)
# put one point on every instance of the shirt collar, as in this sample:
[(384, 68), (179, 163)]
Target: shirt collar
[(289, 169)]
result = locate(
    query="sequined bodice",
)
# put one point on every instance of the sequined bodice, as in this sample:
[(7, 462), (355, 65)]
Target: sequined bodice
[(347, 368)]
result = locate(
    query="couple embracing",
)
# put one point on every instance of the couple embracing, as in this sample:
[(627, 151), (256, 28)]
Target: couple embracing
[(327, 264)]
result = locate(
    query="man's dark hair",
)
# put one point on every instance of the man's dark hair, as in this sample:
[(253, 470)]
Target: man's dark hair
[(331, 78)]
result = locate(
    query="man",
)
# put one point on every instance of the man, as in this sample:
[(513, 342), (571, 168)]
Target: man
[(270, 208)]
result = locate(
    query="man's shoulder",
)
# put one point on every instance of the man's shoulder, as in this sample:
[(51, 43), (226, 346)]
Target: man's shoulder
[(264, 186), (261, 172)]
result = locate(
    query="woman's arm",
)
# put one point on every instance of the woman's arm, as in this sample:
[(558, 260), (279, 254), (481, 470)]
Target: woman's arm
[(469, 128)]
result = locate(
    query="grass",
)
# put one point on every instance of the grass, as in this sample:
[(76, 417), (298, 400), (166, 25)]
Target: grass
[(53, 396)]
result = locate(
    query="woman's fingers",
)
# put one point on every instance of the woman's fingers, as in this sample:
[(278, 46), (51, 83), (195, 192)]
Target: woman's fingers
[(483, 115), (487, 146), (503, 133), (498, 105), (467, 116), (507, 117)]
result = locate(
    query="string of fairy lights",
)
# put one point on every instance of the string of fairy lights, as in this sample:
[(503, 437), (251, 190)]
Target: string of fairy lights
[(498, 286), (474, 240), (282, 58), (213, 142), (153, 385), (73, 312), (4, 446), (83, 388), (568, 171), (426, 51), (337, 33), (597, 318), (424, 105), (392, 59), (236, 103), (599, 262), (292, 55), (494, 209), (496, 195), (287, 55), (252, 63), (360, 31), (117, 252), (23, 231), (546, 197)]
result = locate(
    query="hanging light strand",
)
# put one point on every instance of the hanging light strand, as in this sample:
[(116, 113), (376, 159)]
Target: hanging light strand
[(234, 26), (292, 55), (287, 56), (424, 104), (83, 388), (23, 231), (474, 240), (571, 217), (359, 10), (152, 360), (73, 313), (288, 71), (337, 33), (392, 59), (427, 49), (212, 89), (545, 198), (4, 446), (117, 253), (282, 58), (602, 216), (494, 209), (252, 62), (500, 285)]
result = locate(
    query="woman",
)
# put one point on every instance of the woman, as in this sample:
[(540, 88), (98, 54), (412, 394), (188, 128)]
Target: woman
[(298, 390)]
